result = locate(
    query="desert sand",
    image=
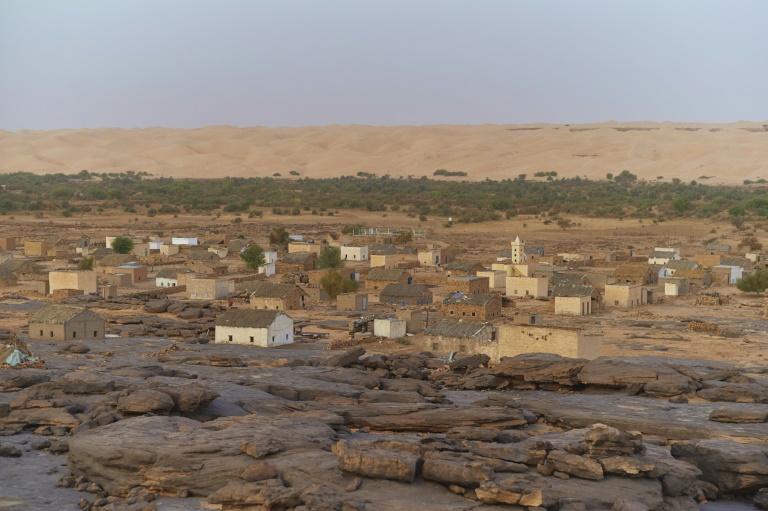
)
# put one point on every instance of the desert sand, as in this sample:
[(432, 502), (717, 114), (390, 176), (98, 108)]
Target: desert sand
[(724, 153)]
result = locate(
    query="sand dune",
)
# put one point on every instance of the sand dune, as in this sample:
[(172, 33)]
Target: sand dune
[(729, 153)]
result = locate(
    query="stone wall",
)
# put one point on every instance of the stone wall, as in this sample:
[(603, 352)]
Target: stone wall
[(567, 342)]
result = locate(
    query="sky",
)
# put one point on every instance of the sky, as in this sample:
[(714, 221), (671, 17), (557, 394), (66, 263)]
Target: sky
[(193, 63)]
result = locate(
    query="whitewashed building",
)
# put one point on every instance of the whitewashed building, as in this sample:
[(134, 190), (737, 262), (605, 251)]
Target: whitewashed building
[(391, 328), (264, 328), (184, 241), (354, 253)]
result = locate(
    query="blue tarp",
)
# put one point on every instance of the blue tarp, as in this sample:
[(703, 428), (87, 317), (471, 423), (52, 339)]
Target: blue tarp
[(17, 357)]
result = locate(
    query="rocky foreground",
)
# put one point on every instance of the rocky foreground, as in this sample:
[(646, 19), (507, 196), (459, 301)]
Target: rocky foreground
[(148, 424)]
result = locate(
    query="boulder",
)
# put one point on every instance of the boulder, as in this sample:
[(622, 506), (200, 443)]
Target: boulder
[(740, 415), (157, 306), (455, 469), (377, 463), (620, 372), (729, 465), (541, 368), (574, 465), (144, 401), (344, 359), (735, 392), (761, 499)]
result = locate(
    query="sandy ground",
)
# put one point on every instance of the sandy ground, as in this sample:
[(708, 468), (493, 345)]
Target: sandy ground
[(724, 153)]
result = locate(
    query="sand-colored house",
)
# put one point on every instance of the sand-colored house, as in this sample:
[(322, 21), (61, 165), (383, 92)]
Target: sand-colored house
[(516, 339), (33, 248), (352, 302), (85, 281), (379, 278), (535, 287), (576, 300), (297, 262), (8, 243), (484, 307), (463, 337), (213, 288), (468, 284), (65, 323), (406, 294), (264, 328), (266, 295), (624, 295), (462, 268)]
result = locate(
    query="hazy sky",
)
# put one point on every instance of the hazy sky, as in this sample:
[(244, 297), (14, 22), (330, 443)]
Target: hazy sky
[(190, 63)]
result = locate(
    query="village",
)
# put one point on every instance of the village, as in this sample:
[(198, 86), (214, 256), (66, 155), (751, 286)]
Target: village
[(414, 357), (419, 294)]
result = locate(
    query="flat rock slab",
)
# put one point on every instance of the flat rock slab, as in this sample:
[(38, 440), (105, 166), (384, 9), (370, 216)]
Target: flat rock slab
[(628, 413), (740, 415), (175, 454)]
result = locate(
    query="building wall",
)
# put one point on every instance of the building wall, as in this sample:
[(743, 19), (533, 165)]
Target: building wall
[(166, 282), (433, 257), (573, 305), (527, 286), (352, 302), (267, 269), (71, 331), (414, 320), (471, 286), (623, 295), (169, 250), (304, 247), (496, 278), (210, 289), (8, 243), (354, 253), (390, 261), (518, 339), (37, 248), (424, 299), (464, 310), (119, 279), (390, 328), (481, 343), (376, 285), (85, 281), (278, 333)]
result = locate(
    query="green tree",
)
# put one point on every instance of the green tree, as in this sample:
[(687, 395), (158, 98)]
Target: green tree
[(751, 243), (254, 257), (755, 282), (330, 258), (625, 178), (279, 236), (122, 245), (334, 284), (564, 223), (86, 263), (404, 238)]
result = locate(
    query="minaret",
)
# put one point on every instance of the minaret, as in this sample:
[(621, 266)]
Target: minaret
[(518, 251)]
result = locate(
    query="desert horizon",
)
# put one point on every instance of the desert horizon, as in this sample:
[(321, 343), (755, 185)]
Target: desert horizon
[(726, 153)]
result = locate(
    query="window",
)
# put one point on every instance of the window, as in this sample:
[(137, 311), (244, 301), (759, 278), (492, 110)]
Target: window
[(286, 337), (74, 335), (462, 349), (230, 338), (450, 313), (251, 338), (51, 333), (273, 338), (434, 346), (41, 333), (95, 333), (473, 314)]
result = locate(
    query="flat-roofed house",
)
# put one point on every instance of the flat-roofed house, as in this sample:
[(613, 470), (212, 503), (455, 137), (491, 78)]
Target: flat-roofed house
[(406, 294), (379, 278), (464, 337), (264, 328), (476, 306)]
